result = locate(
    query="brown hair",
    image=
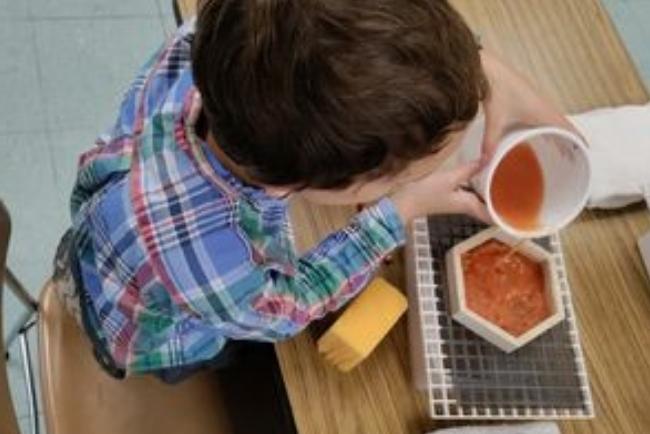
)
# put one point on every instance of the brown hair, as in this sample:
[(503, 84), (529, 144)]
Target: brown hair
[(318, 93)]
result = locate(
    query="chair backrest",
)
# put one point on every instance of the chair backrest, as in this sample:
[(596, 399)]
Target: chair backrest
[(8, 422), (75, 390)]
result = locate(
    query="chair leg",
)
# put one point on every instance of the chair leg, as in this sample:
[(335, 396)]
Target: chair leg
[(14, 331), (30, 384), (26, 299), (20, 291)]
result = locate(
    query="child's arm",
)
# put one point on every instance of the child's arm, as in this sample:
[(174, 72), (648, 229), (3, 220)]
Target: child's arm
[(333, 272), (340, 266), (513, 100)]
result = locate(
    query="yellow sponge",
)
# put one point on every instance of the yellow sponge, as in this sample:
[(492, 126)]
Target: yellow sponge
[(363, 325)]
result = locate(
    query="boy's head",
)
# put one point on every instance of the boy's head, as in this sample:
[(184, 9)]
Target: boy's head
[(334, 94)]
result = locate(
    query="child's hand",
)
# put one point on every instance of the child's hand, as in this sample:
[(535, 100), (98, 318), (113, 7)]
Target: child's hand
[(513, 101), (441, 192)]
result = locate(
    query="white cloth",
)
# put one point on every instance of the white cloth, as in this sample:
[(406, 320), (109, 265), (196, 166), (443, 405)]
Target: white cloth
[(619, 142), (524, 428)]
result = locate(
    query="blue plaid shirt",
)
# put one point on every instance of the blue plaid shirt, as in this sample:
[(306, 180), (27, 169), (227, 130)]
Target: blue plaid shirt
[(178, 255)]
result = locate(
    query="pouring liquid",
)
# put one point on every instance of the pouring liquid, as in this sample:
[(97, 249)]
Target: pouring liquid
[(517, 188)]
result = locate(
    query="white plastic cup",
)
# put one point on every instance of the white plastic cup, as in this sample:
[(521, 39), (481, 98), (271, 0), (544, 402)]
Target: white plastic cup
[(566, 170)]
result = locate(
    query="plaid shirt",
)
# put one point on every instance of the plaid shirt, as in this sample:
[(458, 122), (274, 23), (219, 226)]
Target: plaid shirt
[(178, 256)]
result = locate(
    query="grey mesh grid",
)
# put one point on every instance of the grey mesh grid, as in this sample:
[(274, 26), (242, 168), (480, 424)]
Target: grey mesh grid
[(468, 378)]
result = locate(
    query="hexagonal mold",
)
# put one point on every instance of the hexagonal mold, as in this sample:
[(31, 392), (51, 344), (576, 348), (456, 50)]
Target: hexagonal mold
[(483, 327)]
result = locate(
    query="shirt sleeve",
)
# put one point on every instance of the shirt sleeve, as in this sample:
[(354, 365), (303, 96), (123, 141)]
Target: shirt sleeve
[(334, 271)]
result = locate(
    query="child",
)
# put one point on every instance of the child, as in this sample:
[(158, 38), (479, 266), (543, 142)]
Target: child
[(180, 243)]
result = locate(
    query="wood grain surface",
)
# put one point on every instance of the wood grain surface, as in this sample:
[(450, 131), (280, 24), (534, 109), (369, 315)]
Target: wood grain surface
[(570, 49)]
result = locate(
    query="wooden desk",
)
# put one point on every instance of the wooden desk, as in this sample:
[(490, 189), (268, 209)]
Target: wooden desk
[(185, 8), (571, 50)]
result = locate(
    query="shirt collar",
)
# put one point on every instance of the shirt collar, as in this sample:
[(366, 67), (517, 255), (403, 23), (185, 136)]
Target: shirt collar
[(236, 187)]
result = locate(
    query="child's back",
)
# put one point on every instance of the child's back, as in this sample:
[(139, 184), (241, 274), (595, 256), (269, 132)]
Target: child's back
[(180, 240)]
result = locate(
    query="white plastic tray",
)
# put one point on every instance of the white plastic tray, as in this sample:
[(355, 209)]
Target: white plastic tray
[(464, 376)]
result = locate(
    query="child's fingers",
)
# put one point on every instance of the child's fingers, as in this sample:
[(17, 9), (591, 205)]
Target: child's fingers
[(466, 202), (495, 126)]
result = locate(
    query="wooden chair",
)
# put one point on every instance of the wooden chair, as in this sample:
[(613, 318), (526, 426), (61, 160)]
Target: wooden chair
[(8, 420), (17, 332), (79, 398)]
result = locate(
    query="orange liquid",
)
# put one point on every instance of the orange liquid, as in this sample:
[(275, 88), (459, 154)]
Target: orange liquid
[(517, 188), (505, 287)]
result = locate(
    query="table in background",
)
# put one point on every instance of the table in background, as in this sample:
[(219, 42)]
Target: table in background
[(571, 50)]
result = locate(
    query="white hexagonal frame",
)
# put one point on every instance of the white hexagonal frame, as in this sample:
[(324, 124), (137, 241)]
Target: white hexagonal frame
[(481, 326)]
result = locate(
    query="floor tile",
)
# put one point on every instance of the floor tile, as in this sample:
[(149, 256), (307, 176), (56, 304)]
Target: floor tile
[(27, 186), (21, 108), (89, 64), (90, 8), (67, 146), (13, 9), (167, 18)]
